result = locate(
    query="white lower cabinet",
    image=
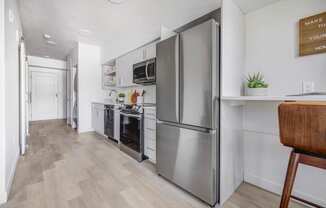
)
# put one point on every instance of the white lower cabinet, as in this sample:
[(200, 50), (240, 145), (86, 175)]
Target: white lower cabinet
[(150, 133), (98, 118)]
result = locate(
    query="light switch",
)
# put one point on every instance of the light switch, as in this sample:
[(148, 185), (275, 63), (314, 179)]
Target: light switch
[(308, 86)]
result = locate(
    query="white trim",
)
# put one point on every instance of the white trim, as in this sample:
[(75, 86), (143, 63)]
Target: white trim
[(3, 197), (277, 188), (3, 193), (12, 174), (45, 67)]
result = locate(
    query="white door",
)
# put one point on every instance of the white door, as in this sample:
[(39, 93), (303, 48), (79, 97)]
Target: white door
[(44, 96)]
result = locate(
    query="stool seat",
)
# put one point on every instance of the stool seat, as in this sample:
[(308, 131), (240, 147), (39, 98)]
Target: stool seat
[(303, 127)]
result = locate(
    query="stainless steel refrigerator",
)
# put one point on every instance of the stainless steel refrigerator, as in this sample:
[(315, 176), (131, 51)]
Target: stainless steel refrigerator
[(188, 110)]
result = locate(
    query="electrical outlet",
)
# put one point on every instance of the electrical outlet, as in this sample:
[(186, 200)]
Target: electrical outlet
[(308, 87)]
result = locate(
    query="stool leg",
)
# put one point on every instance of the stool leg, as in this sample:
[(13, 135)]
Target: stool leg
[(289, 181)]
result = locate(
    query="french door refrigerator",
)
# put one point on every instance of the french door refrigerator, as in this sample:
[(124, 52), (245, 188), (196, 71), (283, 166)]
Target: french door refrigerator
[(188, 110)]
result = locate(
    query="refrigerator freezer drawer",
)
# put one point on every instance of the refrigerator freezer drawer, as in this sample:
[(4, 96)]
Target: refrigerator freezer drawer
[(188, 158)]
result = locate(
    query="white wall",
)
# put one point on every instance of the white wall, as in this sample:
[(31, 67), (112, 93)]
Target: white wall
[(2, 104), (46, 62), (272, 48), (233, 43), (39, 64), (89, 83), (12, 35), (149, 96)]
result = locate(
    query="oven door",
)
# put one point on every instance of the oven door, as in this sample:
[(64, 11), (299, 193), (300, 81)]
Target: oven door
[(131, 132)]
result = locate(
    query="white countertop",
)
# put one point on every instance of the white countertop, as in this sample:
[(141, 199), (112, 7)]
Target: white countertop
[(275, 98), (109, 102)]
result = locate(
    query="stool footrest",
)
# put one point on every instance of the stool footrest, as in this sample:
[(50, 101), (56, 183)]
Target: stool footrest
[(312, 161)]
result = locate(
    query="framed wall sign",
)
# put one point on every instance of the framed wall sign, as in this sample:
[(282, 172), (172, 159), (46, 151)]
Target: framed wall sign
[(313, 34)]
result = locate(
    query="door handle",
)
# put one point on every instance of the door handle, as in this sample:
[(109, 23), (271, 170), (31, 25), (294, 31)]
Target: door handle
[(146, 71)]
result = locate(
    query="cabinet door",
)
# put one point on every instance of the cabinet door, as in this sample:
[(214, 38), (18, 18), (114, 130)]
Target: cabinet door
[(151, 51), (124, 66), (100, 121), (119, 68), (94, 119), (130, 61), (139, 55), (122, 71)]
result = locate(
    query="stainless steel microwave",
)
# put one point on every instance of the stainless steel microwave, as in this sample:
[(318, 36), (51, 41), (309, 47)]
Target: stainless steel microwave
[(144, 73)]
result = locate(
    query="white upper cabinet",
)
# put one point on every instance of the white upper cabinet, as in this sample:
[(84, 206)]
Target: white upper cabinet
[(151, 51), (124, 66)]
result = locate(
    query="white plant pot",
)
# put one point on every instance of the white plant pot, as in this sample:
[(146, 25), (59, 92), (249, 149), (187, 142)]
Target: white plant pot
[(121, 99), (256, 91)]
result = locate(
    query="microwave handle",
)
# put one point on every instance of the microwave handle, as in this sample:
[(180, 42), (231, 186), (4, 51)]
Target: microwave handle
[(146, 71)]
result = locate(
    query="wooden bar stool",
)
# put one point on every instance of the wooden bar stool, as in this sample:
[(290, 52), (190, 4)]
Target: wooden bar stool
[(302, 127)]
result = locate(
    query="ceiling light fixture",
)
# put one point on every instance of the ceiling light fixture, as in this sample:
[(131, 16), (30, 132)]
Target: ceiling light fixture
[(46, 56), (51, 42), (46, 36), (116, 1)]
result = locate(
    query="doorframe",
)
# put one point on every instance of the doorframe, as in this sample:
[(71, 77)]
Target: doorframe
[(3, 192), (31, 71)]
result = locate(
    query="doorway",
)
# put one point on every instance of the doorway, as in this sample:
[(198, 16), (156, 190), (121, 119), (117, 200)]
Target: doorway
[(44, 102)]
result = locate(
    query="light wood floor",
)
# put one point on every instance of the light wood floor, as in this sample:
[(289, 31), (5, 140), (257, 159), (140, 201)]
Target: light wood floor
[(65, 170)]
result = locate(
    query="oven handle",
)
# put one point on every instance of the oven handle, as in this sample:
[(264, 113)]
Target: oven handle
[(129, 115)]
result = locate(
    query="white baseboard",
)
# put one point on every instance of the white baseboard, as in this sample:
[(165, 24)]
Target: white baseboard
[(277, 188), (12, 175), (3, 197)]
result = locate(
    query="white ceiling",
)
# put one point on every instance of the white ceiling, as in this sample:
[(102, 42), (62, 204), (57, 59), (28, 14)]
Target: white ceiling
[(250, 5), (116, 28)]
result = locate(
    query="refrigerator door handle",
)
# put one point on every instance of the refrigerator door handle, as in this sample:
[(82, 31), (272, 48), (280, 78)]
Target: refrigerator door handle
[(177, 74), (194, 128)]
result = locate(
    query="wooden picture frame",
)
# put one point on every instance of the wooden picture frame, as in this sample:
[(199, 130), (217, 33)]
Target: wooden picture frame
[(312, 32)]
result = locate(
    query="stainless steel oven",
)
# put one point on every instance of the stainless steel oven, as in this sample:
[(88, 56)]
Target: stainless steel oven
[(131, 135), (144, 73)]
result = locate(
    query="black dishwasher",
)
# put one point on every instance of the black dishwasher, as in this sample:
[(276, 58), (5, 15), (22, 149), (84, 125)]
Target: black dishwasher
[(109, 121)]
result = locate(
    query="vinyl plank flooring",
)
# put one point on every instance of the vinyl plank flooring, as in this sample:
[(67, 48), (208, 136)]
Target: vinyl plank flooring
[(63, 169)]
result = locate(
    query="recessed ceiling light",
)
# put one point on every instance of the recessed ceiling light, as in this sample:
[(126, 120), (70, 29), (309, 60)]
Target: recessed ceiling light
[(46, 36), (46, 56), (51, 42), (116, 1)]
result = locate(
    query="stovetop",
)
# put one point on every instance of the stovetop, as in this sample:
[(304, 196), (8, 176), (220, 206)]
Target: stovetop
[(130, 111)]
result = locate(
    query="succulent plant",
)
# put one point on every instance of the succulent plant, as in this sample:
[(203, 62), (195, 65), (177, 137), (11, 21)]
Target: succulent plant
[(256, 81), (121, 95)]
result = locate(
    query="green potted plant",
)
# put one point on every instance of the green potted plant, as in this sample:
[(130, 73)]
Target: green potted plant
[(256, 85), (121, 97)]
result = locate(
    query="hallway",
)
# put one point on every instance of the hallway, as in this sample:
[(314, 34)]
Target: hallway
[(65, 170)]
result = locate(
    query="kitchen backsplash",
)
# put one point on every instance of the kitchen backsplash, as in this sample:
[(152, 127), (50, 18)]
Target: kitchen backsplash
[(149, 96)]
